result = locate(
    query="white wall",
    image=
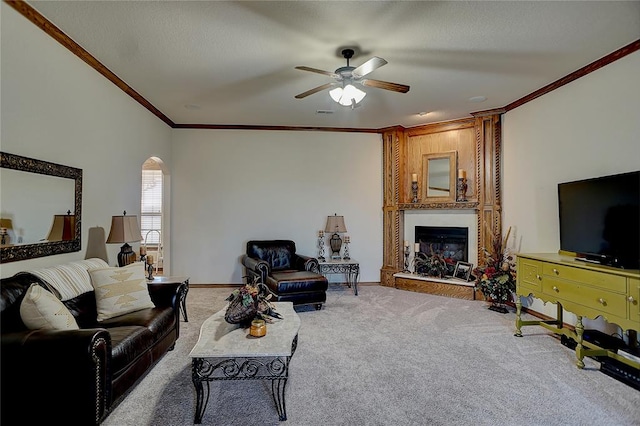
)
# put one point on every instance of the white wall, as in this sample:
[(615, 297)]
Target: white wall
[(585, 129), (230, 186), (54, 107)]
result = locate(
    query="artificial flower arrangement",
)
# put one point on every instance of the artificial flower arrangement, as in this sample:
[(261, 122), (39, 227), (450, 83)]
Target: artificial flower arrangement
[(251, 301), (496, 279), (433, 265)]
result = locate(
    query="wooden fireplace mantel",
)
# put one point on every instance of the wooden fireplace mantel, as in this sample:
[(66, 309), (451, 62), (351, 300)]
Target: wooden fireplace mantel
[(476, 142)]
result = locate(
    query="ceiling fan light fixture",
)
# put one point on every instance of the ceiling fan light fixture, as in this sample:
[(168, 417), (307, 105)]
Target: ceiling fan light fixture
[(348, 95)]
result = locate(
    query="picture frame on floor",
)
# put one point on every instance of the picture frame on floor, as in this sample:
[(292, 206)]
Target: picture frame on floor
[(463, 270)]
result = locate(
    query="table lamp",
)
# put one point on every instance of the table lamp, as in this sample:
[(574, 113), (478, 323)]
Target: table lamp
[(63, 227), (5, 226), (336, 225), (124, 229)]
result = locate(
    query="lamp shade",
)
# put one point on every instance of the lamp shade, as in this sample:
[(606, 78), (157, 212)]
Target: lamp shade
[(63, 228), (95, 244), (6, 223), (348, 95), (335, 223), (124, 229)]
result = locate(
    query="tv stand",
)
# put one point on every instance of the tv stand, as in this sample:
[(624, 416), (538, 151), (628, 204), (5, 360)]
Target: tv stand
[(586, 290)]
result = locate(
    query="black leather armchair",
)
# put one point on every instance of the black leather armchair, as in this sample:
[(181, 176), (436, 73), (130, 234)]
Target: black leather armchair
[(290, 276)]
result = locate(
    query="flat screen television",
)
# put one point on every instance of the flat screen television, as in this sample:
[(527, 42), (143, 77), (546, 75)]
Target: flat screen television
[(600, 219)]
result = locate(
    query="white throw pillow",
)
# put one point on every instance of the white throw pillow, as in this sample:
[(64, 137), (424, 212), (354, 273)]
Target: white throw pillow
[(40, 309), (120, 290)]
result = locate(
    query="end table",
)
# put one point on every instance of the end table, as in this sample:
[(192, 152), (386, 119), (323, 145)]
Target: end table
[(350, 268), (182, 297)]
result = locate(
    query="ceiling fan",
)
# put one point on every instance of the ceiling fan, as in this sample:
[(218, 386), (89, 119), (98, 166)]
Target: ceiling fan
[(344, 92)]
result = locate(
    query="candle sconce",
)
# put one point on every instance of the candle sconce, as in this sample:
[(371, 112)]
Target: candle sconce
[(347, 240), (407, 253), (149, 262), (414, 190), (461, 189), (321, 246)]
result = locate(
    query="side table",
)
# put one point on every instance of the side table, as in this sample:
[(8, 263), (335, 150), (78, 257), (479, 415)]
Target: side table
[(182, 297), (350, 268)]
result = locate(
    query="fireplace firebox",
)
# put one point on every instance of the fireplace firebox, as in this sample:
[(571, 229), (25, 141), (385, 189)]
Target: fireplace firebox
[(447, 241)]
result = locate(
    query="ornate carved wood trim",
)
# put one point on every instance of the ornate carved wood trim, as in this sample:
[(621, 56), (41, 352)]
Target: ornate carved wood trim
[(458, 205), (486, 206)]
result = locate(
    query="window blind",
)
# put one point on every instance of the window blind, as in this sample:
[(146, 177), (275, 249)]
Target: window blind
[(151, 206)]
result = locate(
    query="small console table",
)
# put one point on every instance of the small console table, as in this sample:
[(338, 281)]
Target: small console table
[(350, 268), (586, 290)]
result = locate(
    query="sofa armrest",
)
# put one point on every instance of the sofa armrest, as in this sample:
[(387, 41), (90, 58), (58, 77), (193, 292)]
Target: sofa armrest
[(70, 368), (166, 294), (306, 263), (255, 268)]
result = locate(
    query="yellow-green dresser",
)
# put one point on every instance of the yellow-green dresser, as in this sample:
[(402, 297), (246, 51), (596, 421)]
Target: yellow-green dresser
[(584, 289)]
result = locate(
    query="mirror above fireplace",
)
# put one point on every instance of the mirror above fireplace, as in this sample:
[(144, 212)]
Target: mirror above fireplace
[(440, 177)]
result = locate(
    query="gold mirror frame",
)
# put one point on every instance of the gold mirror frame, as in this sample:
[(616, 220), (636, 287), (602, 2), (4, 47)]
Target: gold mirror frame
[(451, 157), (48, 248)]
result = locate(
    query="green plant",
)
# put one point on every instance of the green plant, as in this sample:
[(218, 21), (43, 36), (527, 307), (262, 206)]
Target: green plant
[(432, 265), (496, 278)]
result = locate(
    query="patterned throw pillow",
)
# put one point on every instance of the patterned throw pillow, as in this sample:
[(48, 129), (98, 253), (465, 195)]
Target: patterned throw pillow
[(120, 290), (40, 309)]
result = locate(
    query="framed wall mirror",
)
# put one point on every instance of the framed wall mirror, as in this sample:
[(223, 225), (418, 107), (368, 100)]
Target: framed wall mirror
[(41, 205), (440, 177)]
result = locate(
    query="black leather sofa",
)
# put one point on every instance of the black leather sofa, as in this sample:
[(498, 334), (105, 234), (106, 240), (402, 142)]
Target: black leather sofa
[(292, 277), (78, 376)]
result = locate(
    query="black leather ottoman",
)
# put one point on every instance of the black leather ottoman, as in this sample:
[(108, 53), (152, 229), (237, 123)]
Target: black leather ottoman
[(299, 287)]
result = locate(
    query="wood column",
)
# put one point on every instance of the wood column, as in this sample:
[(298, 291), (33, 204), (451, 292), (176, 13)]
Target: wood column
[(488, 139), (393, 217)]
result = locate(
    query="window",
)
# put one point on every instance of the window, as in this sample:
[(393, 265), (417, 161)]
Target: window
[(151, 205)]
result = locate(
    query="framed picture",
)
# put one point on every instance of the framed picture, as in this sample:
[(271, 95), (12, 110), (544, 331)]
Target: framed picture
[(463, 270)]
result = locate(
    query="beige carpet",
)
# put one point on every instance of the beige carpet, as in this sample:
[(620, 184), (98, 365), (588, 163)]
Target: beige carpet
[(393, 357)]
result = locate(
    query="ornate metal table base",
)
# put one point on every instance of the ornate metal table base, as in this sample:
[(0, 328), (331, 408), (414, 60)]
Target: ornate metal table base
[(275, 369), (183, 300), (350, 269)]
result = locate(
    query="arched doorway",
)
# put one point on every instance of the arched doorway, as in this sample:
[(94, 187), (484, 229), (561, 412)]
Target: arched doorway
[(154, 213)]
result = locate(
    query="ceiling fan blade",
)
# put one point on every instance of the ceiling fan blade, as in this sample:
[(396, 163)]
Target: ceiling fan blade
[(395, 87), (330, 74), (315, 90), (364, 69)]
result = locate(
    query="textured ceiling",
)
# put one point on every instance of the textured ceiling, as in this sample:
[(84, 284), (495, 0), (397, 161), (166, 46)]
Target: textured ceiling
[(232, 62)]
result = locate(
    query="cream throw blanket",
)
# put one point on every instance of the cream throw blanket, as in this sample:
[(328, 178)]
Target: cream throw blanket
[(71, 279)]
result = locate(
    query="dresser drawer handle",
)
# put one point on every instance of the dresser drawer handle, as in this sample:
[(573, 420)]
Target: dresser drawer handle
[(555, 271), (539, 277), (602, 301), (555, 289), (631, 299)]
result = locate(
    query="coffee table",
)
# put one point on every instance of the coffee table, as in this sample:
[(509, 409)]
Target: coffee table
[(227, 352)]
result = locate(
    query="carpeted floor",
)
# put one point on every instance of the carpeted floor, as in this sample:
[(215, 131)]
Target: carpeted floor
[(392, 357)]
